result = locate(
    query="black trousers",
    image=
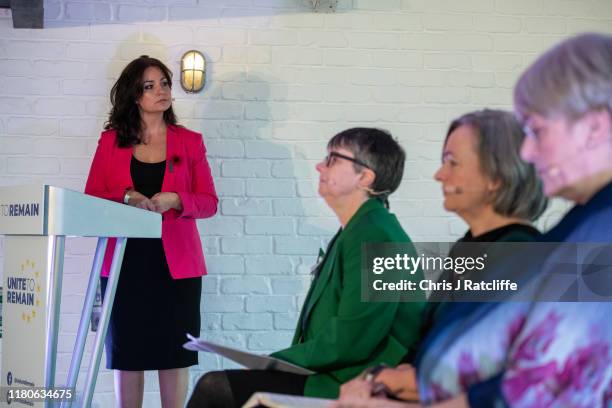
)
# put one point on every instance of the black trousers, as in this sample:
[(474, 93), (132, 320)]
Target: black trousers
[(232, 388)]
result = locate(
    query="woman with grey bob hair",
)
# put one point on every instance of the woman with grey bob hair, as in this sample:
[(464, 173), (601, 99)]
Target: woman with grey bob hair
[(498, 140)]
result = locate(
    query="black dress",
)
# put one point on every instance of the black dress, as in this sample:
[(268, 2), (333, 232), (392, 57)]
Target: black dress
[(435, 309), (152, 312)]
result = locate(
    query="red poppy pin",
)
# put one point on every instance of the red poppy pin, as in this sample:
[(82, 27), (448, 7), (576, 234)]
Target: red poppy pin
[(174, 161)]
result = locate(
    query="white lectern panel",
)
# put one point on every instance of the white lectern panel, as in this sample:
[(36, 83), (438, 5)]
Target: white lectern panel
[(25, 311), (22, 210), (72, 213)]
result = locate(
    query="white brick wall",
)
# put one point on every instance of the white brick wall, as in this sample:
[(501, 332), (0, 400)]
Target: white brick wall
[(281, 81)]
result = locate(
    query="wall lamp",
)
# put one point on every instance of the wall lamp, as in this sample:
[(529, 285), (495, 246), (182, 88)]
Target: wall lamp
[(193, 71)]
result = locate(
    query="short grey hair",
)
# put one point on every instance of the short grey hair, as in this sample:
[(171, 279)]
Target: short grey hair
[(499, 137), (571, 79)]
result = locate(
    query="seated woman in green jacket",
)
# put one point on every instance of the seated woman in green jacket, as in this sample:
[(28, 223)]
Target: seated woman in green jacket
[(337, 334)]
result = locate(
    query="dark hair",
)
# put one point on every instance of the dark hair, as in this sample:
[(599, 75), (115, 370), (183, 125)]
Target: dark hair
[(499, 138), (124, 116), (380, 152)]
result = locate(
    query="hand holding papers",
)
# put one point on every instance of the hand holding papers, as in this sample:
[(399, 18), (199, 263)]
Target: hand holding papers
[(249, 360), (270, 400)]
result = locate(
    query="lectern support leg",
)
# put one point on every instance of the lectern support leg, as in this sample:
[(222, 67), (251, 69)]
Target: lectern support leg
[(56, 251), (79, 344), (107, 307)]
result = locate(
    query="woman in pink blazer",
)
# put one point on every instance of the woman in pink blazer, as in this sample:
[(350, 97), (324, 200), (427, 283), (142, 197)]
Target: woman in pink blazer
[(144, 159)]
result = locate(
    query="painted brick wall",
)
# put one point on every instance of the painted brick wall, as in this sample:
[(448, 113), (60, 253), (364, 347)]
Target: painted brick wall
[(281, 80)]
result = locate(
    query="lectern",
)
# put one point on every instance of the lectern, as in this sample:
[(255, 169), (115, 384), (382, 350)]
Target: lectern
[(36, 221)]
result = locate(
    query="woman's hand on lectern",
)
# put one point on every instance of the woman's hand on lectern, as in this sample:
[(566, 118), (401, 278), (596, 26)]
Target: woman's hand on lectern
[(139, 200), (165, 201)]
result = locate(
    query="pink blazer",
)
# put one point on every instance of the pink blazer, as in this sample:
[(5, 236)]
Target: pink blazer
[(187, 174)]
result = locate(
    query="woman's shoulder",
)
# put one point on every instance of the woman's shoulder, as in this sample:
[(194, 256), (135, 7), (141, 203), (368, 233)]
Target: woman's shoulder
[(108, 133), (520, 233), (108, 137), (515, 232), (185, 132), (379, 226)]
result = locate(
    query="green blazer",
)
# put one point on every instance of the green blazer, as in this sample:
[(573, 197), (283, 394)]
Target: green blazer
[(337, 335)]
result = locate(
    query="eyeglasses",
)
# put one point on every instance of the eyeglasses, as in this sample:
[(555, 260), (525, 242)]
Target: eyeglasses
[(329, 160)]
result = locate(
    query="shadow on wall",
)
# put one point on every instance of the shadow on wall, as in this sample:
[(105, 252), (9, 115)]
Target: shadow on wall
[(260, 246), (69, 14)]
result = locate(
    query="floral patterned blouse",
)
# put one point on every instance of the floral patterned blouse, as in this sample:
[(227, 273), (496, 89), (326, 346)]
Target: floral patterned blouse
[(553, 354), (529, 354)]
